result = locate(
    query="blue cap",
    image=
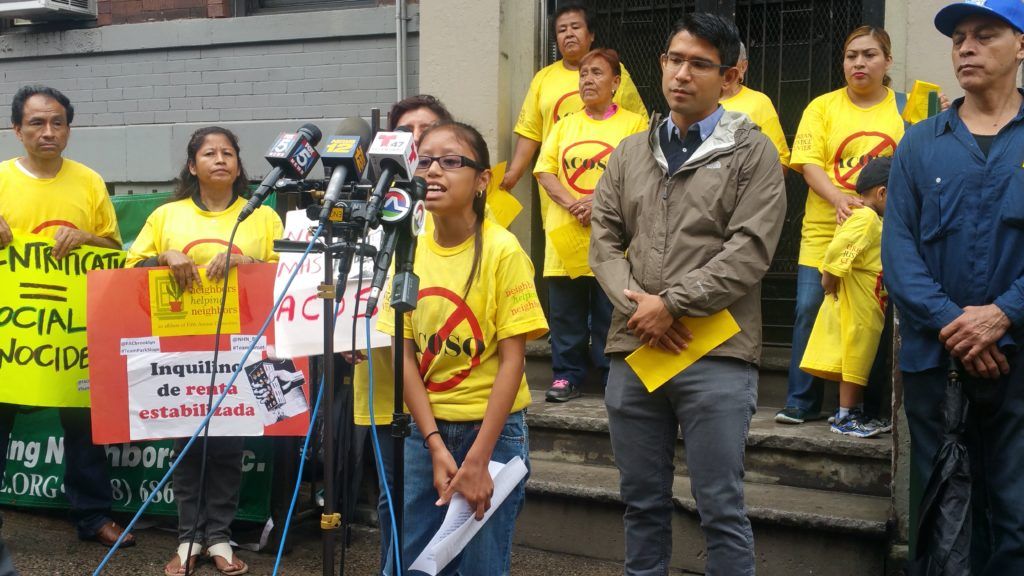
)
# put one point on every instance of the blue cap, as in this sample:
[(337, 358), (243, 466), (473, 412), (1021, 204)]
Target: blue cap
[(1009, 11)]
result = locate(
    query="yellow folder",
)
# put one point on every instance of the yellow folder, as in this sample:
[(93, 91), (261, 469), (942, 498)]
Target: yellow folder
[(655, 366), (572, 242), (917, 101), (503, 206)]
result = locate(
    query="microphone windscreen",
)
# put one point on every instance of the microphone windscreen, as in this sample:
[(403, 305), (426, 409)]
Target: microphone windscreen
[(355, 127), (312, 132)]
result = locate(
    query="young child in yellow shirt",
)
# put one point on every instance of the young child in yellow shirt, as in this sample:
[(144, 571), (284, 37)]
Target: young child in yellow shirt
[(844, 341)]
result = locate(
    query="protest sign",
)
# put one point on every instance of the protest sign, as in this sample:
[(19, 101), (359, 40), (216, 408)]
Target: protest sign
[(299, 324), (34, 476), (150, 385), (44, 359)]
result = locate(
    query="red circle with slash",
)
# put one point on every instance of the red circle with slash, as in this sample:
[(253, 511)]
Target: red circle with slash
[(461, 314), (844, 179)]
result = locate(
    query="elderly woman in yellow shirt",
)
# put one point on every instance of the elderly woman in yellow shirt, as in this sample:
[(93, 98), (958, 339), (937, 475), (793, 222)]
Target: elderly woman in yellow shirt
[(571, 162)]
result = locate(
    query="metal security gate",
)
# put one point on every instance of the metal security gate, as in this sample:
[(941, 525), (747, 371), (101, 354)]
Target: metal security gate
[(795, 50)]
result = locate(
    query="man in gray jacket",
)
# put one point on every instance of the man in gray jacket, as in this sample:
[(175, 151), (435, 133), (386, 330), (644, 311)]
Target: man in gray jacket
[(685, 221)]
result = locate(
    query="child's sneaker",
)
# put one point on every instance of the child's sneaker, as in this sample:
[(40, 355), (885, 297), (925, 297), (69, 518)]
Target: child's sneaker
[(562, 391), (854, 424)]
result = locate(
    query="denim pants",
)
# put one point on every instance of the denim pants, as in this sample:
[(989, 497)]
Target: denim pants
[(805, 391), (490, 551), (580, 315), (86, 476), (995, 443), (712, 401), (223, 487)]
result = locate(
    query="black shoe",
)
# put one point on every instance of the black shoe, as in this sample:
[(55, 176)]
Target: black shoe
[(794, 415), (562, 391)]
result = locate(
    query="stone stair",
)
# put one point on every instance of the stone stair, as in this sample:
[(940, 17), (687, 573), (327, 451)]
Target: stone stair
[(819, 502)]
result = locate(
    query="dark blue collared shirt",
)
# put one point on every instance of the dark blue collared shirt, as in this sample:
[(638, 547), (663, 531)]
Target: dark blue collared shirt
[(678, 148), (954, 231)]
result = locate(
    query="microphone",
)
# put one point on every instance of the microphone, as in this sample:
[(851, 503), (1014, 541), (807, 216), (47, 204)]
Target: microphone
[(345, 156), (404, 220), (392, 155), (292, 154)]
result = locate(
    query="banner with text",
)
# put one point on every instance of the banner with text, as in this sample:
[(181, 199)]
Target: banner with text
[(34, 476), (152, 359), (44, 358), (299, 324)]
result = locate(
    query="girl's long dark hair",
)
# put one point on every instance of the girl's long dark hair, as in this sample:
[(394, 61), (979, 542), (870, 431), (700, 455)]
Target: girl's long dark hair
[(471, 137), (187, 184)]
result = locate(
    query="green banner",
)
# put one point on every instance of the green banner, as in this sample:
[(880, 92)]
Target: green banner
[(35, 470)]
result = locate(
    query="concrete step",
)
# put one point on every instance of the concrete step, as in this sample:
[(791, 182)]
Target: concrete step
[(797, 530), (771, 389), (805, 456)]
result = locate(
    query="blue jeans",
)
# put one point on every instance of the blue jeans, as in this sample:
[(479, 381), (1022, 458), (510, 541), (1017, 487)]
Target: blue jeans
[(490, 551), (712, 401), (580, 315), (805, 391), (995, 443), (86, 477)]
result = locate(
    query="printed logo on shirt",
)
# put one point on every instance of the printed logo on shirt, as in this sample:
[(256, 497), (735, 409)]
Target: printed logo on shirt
[(557, 111), (856, 151), (583, 163), (714, 165), (451, 340), (51, 224), (188, 247)]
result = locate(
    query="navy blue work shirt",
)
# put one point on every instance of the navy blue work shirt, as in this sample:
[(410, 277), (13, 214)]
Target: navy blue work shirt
[(953, 233)]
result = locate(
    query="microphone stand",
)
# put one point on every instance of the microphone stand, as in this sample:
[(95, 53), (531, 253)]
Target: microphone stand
[(345, 250)]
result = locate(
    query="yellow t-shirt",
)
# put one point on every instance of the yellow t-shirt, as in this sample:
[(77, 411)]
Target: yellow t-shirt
[(201, 235), (457, 338), (577, 151), (76, 197), (841, 138), (845, 337), (555, 92), (762, 112), (383, 388)]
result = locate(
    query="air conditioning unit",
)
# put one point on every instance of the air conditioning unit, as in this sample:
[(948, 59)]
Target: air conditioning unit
[(48, 10)]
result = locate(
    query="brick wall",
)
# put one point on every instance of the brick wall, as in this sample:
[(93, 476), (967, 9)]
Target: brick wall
[(134, 11), (267, 81)]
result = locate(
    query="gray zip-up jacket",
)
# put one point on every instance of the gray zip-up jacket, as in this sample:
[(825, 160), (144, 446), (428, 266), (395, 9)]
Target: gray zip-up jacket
[(701, 238)]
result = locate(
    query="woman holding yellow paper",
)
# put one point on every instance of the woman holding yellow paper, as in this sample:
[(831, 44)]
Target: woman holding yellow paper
[(192, 231), (572, 160)]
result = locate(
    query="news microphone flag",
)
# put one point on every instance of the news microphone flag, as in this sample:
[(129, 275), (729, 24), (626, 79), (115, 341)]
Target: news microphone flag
[(396, 150), (293, 155)]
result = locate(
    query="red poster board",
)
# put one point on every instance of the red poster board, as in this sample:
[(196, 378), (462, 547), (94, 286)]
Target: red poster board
[(118, 307)]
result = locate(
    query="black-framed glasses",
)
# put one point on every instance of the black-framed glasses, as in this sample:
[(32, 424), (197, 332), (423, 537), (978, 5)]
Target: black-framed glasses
[(697, 66), (447, 162)]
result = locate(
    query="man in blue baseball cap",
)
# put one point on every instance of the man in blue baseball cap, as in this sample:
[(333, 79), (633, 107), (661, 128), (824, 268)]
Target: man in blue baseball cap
[(953, 253)]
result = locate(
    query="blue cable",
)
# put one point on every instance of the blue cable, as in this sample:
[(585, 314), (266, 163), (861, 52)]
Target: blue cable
[(216, 405), (380, 461), (302, 465)]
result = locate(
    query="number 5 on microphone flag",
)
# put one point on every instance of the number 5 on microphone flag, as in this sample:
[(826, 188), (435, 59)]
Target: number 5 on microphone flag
[(149, 382), (299, 322)]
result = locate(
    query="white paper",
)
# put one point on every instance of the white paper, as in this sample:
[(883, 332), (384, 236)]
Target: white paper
[(241, 342), (140, 345), (460, 525), (167, 396), (298, 326)]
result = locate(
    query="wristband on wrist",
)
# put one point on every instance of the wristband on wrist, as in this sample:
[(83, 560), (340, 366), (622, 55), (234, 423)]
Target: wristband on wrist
[(427, 438)]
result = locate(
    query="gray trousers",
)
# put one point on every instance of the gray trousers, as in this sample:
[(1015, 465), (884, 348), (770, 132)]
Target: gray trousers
[(712, 401), (223, 483)]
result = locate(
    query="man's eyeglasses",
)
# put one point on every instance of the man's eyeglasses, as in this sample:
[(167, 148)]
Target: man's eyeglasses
[(697, 66), (447, 162)]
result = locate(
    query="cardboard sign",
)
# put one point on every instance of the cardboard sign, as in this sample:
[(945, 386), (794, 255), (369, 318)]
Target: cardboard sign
[(44, 359), (148, 387), (299, 325)]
